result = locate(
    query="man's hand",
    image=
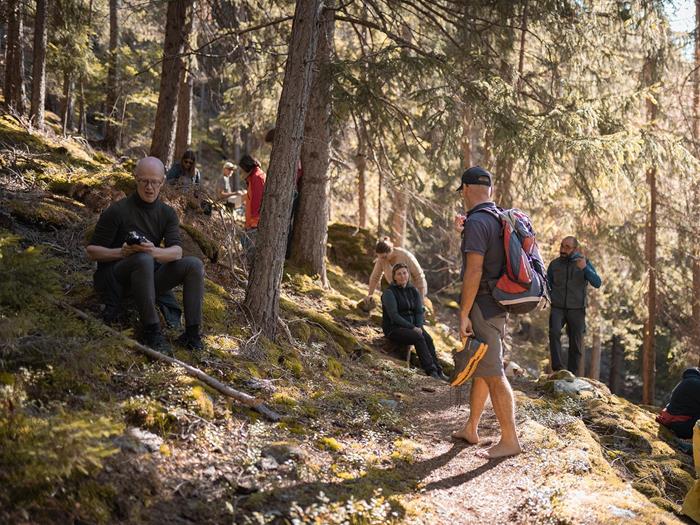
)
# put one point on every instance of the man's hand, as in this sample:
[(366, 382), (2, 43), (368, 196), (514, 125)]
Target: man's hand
[(130, 249), (418, 329), (581, 262), (459, 222), (465, 328)]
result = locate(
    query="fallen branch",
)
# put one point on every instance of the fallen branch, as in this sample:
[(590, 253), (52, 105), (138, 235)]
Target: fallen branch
[(242, 397)]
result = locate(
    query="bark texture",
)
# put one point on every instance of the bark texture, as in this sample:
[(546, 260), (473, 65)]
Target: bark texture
[(111, 127), (14, 59), (178, 22), (311, 224), (183, 136), (262, 294), (36, 113)]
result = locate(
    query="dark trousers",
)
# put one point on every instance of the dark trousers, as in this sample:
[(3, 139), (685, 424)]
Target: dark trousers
[(575, 321), (145, 280), (425, 348), (684, 429)]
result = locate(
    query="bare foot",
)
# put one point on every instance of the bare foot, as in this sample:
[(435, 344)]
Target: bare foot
[(500, 450), (468, 435)]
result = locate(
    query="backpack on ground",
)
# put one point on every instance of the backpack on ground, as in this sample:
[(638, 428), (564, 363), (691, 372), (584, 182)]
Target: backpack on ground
[(522, 287)]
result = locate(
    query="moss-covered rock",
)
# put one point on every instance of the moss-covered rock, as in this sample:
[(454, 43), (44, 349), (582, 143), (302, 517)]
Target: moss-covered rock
[(351, 248), (209, 246), (44, 213)]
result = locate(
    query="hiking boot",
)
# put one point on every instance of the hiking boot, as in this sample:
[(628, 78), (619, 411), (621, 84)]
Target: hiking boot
[(191, 339), (156, 341), (439, 375)]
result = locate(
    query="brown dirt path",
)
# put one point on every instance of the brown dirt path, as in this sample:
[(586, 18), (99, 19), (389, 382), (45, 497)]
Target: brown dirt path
[(560, 478)]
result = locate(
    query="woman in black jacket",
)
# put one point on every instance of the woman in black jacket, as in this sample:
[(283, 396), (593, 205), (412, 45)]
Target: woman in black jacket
[(403, 316)]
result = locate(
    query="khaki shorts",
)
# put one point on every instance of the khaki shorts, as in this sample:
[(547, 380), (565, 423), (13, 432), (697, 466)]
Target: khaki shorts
[(490, 331)]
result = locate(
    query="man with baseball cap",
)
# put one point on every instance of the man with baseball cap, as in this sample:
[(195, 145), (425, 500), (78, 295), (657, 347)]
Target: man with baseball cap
[(228, 187), (481, 317)]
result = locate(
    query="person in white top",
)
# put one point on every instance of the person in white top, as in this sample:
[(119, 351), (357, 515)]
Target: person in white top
[(387, 257)]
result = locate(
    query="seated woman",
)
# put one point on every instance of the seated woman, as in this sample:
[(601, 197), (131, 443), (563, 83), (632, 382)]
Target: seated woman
[(387, 257), (683, 410), (402, 320), (185, 173)]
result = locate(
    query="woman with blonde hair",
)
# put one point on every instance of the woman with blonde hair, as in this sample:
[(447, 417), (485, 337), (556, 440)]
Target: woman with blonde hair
[(387, 257)]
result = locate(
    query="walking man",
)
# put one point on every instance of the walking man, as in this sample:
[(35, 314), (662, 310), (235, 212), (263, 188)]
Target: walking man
[(568, 277), (483, 260)]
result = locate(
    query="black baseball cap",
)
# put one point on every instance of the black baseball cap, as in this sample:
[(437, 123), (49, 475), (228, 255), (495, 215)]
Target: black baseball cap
[(476, 175)]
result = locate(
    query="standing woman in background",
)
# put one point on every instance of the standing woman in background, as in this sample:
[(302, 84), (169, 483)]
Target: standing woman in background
[(255, 182), (387, 257)]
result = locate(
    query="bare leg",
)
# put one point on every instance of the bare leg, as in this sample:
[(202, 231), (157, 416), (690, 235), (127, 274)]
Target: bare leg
[(504, 407), (477, 399)]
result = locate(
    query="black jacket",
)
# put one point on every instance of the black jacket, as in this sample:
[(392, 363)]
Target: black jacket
[(685, 398), (568, 283), (402, 307)]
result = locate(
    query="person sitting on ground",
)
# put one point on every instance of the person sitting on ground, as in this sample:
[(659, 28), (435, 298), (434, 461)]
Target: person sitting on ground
[(127, 247), (255, 183), (185, 173), (387, 257), (683, 411), (403, 316)]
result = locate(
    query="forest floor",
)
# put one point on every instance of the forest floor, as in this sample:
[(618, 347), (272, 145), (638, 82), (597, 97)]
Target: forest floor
[(93, 432)]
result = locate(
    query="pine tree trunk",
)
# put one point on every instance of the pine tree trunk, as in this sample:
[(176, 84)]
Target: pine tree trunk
[(596, 351), (648, 346), (67, 105), (311, 224), (183, 136), (262, 294), (696, 149), (361, 163), (14, 61), (466, 138), (399, 210), (82, 119), (111, 128), (36, 113), (178, 21), (504, 181), (617, 367)]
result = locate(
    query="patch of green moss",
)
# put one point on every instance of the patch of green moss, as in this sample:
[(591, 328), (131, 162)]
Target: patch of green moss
[(43, 213), (95, 501), (334, 368), (351, 248), (329, 443), (203, 401), (214, 307), (209, 246), (148, 413), (284, 399)]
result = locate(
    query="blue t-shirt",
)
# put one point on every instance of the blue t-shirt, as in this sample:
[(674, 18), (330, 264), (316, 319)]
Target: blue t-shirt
[(483, 235)]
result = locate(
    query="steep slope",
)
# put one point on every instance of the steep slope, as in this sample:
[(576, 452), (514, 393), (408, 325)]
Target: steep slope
[(91, 431)]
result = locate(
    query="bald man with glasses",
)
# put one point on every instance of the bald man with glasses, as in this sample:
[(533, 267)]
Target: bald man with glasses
[(137, 247)]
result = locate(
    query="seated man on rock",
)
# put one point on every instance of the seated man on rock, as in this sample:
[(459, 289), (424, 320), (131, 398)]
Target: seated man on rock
[(127, 247), (683, 410)]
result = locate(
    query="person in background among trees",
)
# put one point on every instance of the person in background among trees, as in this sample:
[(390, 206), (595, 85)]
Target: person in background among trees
[(269, 137), (185, 173), (387, 257), (227, 187), (683, 410), (127, 247), (568, 277), (255, 188), (480, 316), (403, 316)]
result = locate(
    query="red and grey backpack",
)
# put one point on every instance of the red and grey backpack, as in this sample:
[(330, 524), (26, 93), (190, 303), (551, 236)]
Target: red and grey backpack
[(522, 287)]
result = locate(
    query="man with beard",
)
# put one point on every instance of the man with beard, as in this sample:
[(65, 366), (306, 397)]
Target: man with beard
[(568, 277)]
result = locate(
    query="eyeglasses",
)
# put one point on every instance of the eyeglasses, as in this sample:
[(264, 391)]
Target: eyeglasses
[(144, 183), (187, 162)]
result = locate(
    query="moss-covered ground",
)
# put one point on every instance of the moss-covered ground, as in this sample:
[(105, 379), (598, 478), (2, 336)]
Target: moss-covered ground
[(92, 432)]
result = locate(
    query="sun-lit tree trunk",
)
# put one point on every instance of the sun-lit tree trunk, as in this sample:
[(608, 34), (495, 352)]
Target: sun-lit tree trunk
[(183, 136), (695, 297), (36, 113), (361, 163), (399, 211), (178, 20), (111, 127), (649, 346), (466, 138), (82, 118), (262, 293), (14, 59), (311, 224), (67, 103)]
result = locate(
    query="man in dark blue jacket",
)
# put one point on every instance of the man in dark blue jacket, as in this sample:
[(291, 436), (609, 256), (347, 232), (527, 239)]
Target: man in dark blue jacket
[(568, 277)]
